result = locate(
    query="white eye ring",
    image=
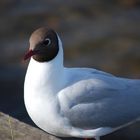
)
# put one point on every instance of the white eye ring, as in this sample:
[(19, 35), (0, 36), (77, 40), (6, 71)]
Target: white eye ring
[(47, 41)]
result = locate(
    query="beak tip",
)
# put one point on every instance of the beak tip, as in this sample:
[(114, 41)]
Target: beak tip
[(28, 55)]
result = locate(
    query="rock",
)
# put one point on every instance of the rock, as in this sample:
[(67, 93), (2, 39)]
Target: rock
[(12, 129)]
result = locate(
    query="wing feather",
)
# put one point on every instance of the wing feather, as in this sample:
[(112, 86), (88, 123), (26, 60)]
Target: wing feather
[(100, 101)]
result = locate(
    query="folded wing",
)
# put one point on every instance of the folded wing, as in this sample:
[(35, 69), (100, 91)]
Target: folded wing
[(101, 101)]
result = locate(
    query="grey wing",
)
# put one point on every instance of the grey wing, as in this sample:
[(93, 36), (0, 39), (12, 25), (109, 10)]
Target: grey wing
[(101, 106)]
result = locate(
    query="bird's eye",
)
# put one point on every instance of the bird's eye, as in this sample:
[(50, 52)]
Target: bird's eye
[(47, 42)]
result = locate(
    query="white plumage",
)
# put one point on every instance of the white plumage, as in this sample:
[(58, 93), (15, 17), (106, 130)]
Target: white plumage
[(79, 102)]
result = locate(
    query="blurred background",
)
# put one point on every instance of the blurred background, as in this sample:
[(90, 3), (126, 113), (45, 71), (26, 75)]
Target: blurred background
[(95, 33)]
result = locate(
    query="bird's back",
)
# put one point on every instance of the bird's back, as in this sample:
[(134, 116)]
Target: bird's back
[(101, 98)]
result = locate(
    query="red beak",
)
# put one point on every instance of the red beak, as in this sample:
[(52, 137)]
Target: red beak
[(29, 54)]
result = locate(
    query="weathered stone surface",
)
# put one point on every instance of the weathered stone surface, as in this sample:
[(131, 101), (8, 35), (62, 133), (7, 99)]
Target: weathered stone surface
[(12, 129)]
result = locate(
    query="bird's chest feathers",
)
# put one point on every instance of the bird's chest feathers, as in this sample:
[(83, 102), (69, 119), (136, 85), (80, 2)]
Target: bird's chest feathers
[(39, 96), (43, 109)]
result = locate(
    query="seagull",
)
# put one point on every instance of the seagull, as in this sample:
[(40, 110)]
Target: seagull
[(75, 102)]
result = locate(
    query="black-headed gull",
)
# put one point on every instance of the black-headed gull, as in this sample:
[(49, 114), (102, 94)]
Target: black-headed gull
[(75, 102)]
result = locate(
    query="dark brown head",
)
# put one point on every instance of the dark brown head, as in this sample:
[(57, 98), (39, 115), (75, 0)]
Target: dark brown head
[(44, 45)]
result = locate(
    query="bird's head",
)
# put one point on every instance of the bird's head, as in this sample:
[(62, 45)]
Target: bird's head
[(44, 45)]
